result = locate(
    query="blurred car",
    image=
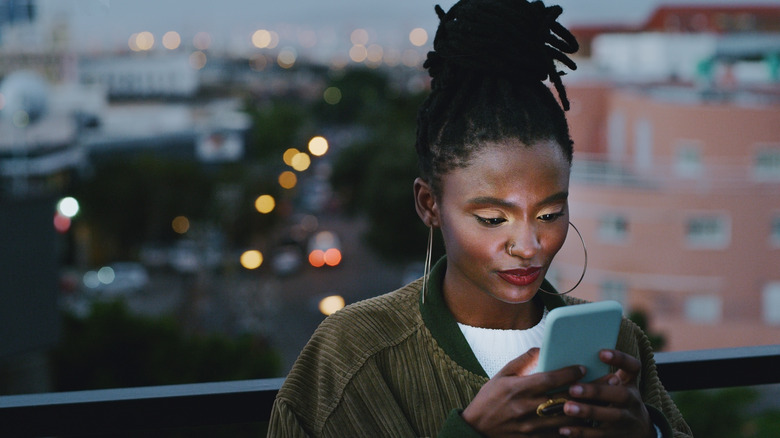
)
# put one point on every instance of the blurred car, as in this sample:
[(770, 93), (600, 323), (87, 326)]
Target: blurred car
[(117, 279), (286, 259), (324, 249)]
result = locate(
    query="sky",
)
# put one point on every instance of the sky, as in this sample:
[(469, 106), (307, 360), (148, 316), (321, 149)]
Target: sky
[(232, 21)]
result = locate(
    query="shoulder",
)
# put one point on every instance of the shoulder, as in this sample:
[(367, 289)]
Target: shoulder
[(342, 346), (376, 320), (345, 340)]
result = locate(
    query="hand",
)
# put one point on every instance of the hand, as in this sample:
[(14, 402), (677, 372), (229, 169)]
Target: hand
[(613, 402), (506, 405)]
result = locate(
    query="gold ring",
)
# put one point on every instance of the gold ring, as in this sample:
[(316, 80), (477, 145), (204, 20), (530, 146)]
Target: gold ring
[(551, 407)]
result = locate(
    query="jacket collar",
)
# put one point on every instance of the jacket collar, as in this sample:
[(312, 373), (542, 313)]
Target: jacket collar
[(443, 326)]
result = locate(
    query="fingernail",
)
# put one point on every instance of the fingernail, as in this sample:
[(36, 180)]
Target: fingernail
[(565, 432), (583, 370), (607, 355), (614, 381), (572, 409), (576, 390)]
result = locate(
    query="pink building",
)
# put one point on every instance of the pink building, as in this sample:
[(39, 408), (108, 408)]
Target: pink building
[(677, 195)]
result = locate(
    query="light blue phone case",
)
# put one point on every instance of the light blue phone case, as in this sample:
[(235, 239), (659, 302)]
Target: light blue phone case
[(575, 334)]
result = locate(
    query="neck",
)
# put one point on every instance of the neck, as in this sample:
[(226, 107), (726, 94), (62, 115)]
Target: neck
[(486, 311)]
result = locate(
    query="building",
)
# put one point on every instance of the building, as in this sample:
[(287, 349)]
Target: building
[(676, 182)]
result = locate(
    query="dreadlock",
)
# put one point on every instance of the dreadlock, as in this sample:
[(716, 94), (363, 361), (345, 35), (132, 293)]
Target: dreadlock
[(488, 65)]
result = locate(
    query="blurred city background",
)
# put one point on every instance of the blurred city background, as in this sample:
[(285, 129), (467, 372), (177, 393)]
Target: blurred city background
[(187, 188)]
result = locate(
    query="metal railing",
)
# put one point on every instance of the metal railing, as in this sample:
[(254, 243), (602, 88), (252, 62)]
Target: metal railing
[(249, 401)]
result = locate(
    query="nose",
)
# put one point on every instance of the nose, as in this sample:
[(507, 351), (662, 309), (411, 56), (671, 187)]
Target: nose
[(524, 242)]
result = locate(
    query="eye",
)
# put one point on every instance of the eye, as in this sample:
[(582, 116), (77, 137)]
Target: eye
[(550, 217), (490, 221)]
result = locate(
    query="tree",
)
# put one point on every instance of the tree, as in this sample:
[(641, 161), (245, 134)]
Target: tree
[(727, 413), (113, 348)]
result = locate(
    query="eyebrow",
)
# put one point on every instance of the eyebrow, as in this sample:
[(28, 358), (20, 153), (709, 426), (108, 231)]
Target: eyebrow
[(557, 197)]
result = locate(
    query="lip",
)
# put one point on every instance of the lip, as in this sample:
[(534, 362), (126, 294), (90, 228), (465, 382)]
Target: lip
[(520, 276)]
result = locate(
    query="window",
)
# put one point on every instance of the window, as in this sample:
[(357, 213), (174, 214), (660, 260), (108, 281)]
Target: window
[(708, 232), (771, 303), (613, 228), (687, 162), (643, 141), (614, 290), (705, 309), (616, 136), (775, 232), (766, 164)]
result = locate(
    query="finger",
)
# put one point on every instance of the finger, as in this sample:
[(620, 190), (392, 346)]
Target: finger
[(558, 379), (521, 365), (628, 366), (606, 394), (547, 426), (604, 414)]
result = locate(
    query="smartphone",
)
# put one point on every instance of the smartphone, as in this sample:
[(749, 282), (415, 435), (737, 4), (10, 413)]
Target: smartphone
[(575, 334)]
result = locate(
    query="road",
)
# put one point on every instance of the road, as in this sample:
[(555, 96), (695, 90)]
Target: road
[(284, 309)]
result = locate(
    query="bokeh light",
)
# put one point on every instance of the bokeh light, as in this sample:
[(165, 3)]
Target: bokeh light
[(374, 53), (171, 40), (288, 179), (106, 275), (359, 37), (358, 53), (332, 95), (265, 204), (251, 259), (261, 39), (286, 57), (258, 62), (201, 40), (61, 223), (317, 258), (68, 207), (180, 224), (198, 60), (318, 146), (90, 279), (418, 37), (332, 304), (132, 42), (288, 156), (309, 223), (144, 41), (301, 161), (332, 257)]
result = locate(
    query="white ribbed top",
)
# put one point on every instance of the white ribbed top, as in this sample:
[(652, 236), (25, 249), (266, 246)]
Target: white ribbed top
[(494, 348)]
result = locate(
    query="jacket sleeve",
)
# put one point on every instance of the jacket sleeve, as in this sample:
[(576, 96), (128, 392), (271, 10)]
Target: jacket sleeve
[(284, 423), (456, 427), (663, 412)]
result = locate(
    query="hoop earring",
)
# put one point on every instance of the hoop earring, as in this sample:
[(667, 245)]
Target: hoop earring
[(584, 268), (427, 265)]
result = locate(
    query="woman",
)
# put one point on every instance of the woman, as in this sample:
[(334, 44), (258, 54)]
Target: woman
[(452, 354)]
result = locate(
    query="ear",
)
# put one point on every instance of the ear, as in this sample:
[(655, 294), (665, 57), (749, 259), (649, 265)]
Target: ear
[(425, 203)]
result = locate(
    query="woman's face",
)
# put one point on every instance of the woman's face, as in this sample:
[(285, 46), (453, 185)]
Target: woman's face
[(509, 195)]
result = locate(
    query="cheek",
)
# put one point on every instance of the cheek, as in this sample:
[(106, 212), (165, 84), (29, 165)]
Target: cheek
[(462, 240), (555, 238)]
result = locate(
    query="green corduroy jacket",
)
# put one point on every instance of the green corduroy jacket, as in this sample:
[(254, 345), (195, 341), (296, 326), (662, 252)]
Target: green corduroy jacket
[(393, 366)]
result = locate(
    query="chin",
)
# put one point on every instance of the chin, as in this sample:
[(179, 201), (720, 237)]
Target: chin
[(517, 298)]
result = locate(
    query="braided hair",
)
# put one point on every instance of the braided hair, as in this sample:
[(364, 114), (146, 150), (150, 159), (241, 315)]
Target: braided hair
[(488, 65)]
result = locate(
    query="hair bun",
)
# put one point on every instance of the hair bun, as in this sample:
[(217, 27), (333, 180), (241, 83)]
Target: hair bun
[(512, 38)]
